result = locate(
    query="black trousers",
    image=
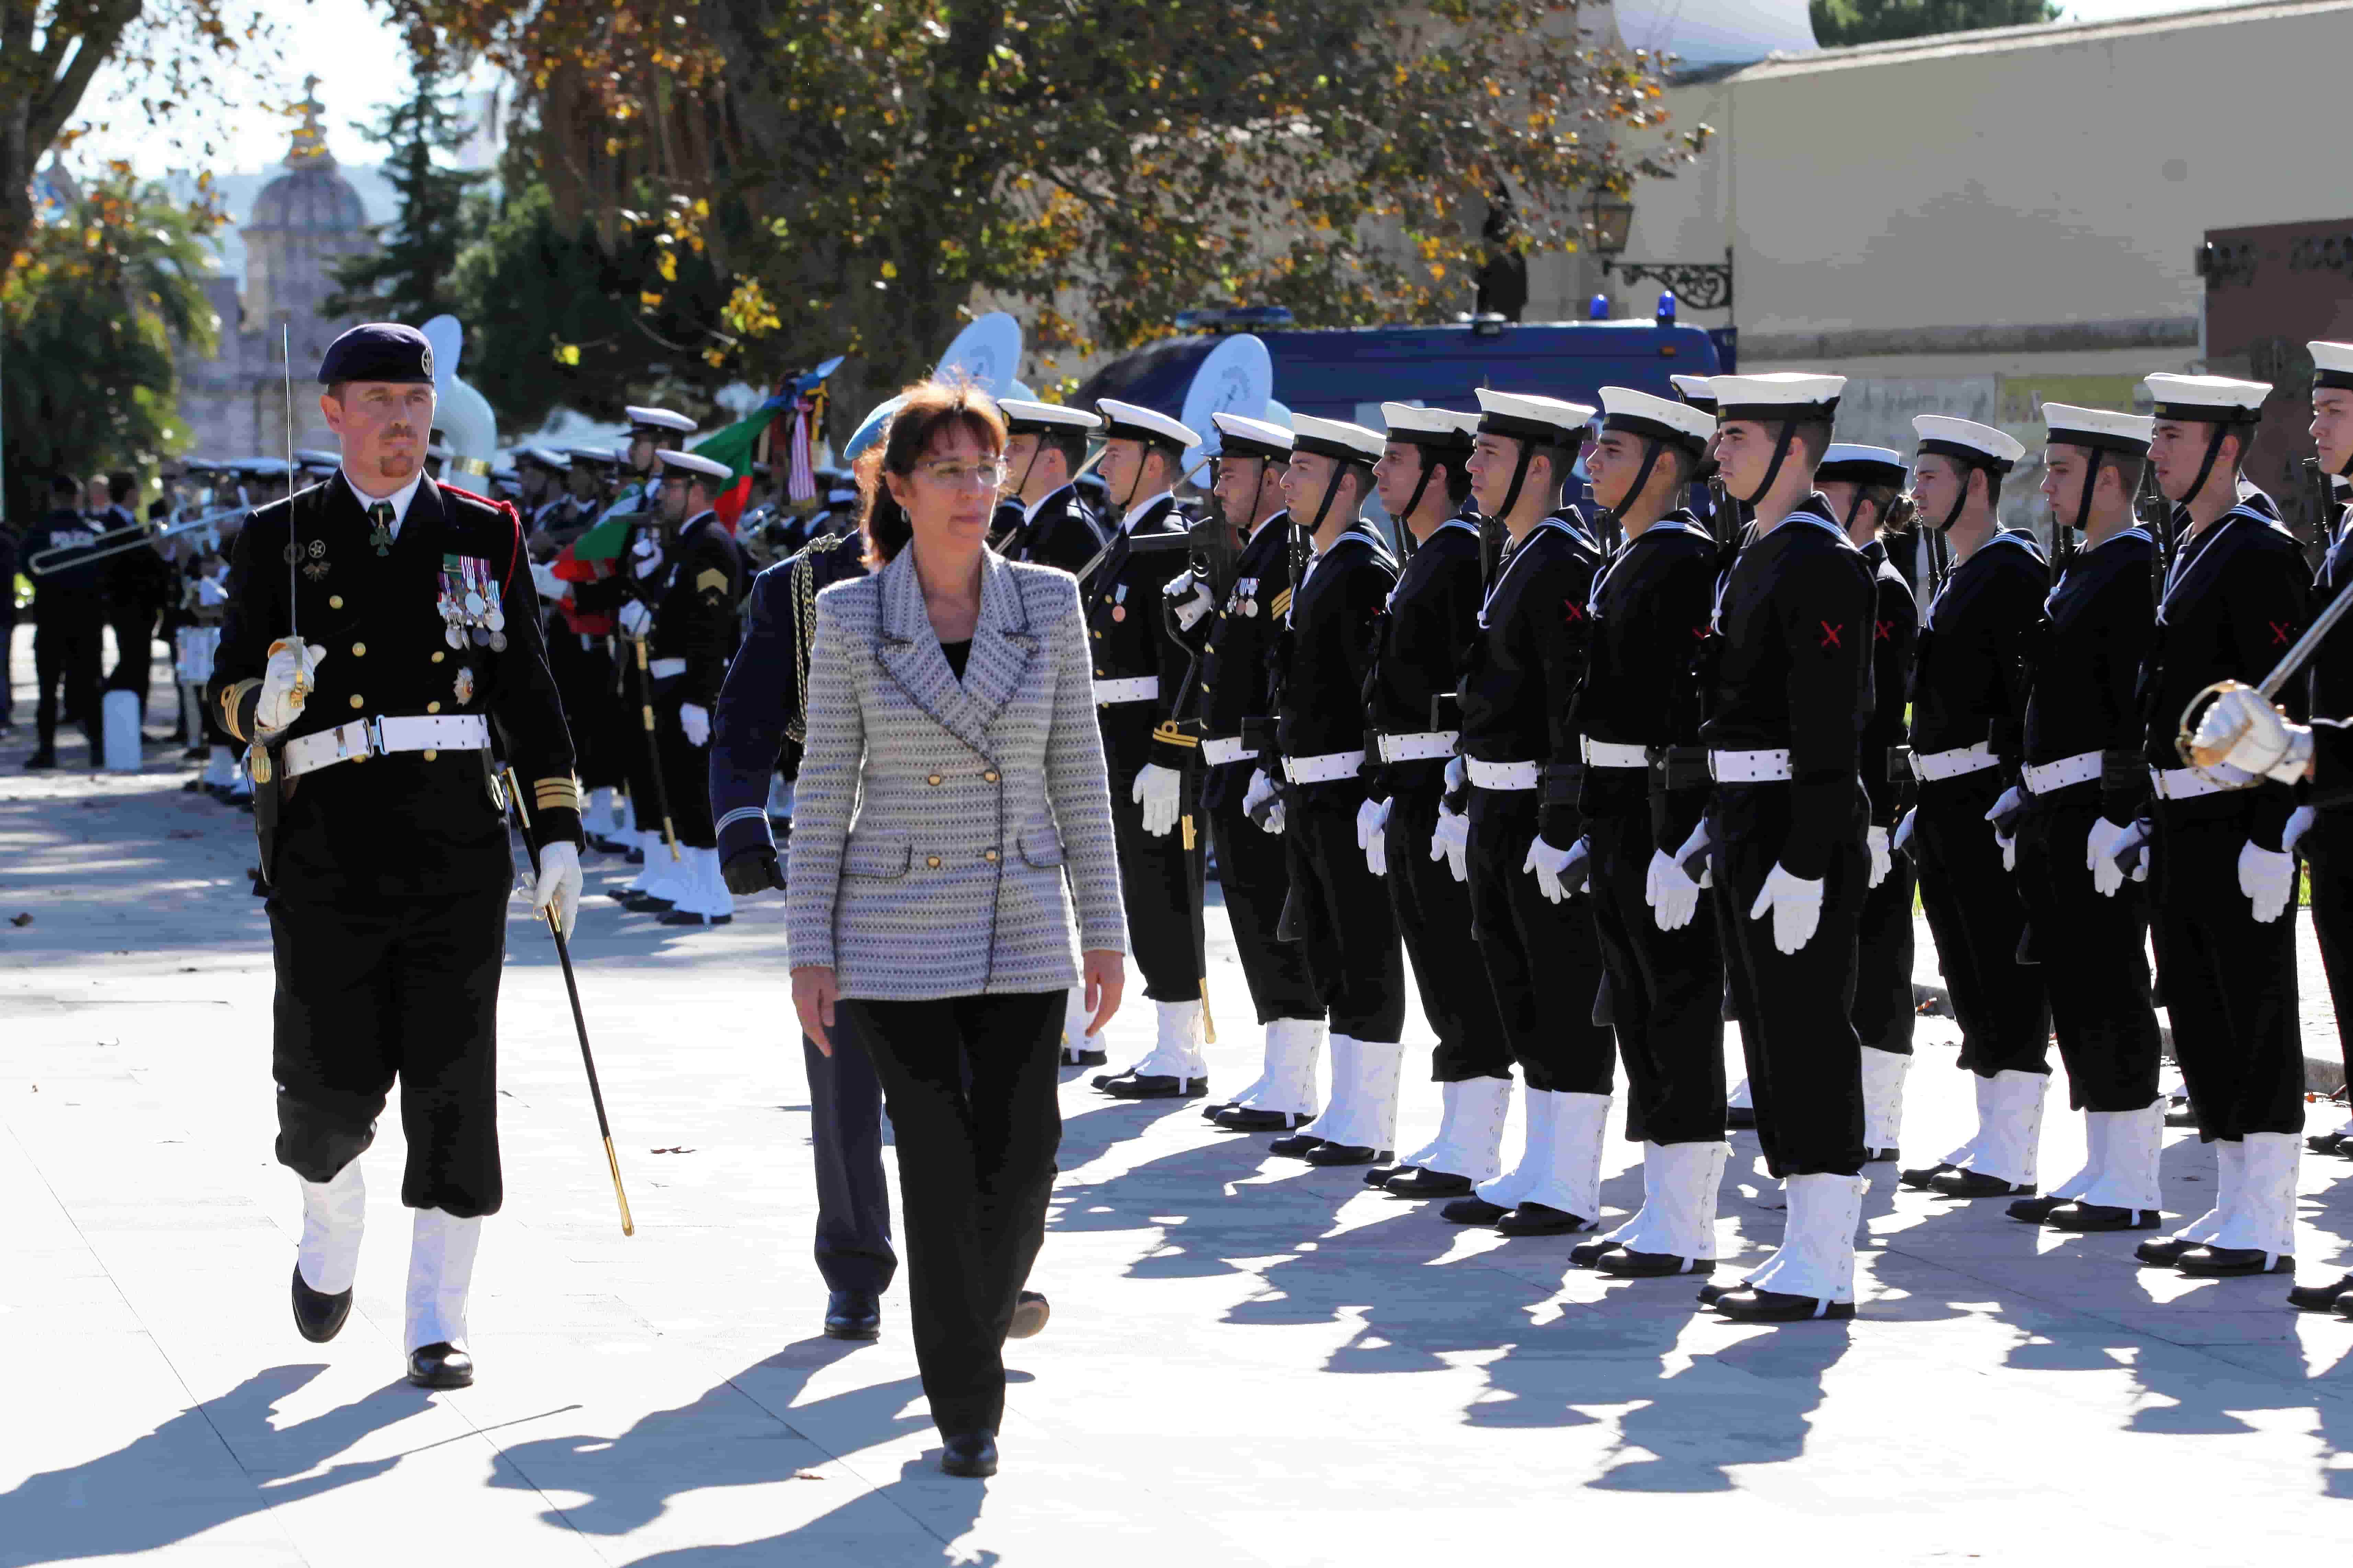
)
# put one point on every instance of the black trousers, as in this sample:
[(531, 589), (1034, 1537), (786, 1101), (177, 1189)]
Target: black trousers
[(686, 772), (592, 709), (1434, 919), (1542, 957), (7, 654), (970, 1082), (2327, 849), (2229, 979), (1883, 1015), (1805, 1064), (1666, 990), (1159, 874), (853, 1201), (134, 655), (2093, 955), (66, 660), (392, 989), (1974, 913), (1254, 871), (1347, 927)]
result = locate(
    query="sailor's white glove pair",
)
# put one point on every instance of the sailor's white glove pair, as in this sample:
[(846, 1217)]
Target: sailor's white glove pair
[(1560, 873), (2254, 736), (290, 676), (1669, 888), (1372, 835), (558, 885), (636, 620), (1158, 791), (1189, 599)]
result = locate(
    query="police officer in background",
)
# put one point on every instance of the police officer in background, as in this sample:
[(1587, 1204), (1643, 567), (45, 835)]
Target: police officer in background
[(2234, 600), (1411, 726), (1045, 445), (1511, 838), (1784, 831), (1968, 710), (68, 613), (1864, 486), (383, 842), (1138, 667)]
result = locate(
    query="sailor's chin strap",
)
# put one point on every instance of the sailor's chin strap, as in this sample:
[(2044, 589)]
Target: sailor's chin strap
[(1027, 468), (1331, 494), (1651, 447), (1519, 479), (1773, 468), (1419, 485), (2214, 455)]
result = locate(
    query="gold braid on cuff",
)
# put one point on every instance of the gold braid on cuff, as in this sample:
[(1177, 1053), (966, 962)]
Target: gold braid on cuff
[(232, 697), (556, 794)]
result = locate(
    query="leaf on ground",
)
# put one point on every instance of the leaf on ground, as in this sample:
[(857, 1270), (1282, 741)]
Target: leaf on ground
[(670, 1150), (806, 1476)]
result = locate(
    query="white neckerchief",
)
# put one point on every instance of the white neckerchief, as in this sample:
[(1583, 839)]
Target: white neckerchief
[(1667, 524), (399, 498), (1030, 513), (1518, 554), (1135, 513)]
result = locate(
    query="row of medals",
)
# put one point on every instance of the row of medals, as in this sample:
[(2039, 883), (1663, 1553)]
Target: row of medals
[(474, 619)]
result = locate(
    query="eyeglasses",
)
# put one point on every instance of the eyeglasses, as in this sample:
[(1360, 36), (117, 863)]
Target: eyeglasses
[(956, 476)]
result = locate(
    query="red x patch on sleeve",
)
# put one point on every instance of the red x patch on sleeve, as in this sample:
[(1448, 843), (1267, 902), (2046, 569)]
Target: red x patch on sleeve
[(1887, 631), (1830, 634), (2280, 630), (1571, 611)]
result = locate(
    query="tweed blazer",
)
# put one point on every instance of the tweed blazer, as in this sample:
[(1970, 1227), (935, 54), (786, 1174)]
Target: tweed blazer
[(937, 822)]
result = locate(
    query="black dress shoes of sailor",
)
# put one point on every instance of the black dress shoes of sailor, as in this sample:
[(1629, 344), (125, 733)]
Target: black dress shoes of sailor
[(2229, 1262), (1747, 1304), (1153, 1086), (1740, 1117), (2080, 1215), (1629, 1264), (1298, 1146), (319, 1317), (853, 1315), (2322, 1142), (1031, 1311), (1978, 1184), (688, 918), (1586, 1254), (1920, 1176), (440, 1365), (2163, 1251), (2319, 1298), (1472, 1211), (1084, 1056), (1880, 1156), (1248, 1119), (969, 1454), (2035, 1211), (1345, 1154), (1413, 1182), (1709, 1295), (1541, 1220)]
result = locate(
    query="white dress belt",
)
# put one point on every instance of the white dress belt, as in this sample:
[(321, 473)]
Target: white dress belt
[(1420, 747), (2187, 783), (1217, 751), (666, 668), (1610, 755), (1933, 765), (1503, 775), (1138, 688), (1324, 768), (1749, 767), (376, 737), (2044, 778)]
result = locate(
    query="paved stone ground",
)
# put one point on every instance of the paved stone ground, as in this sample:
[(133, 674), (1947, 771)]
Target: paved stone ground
[(1249, 1360)]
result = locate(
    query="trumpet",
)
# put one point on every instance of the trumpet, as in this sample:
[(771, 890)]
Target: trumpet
[(121, 540)]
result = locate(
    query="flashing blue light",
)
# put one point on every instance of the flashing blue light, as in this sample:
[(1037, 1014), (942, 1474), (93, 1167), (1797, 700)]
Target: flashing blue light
[(1666, 313), (1597, 310)]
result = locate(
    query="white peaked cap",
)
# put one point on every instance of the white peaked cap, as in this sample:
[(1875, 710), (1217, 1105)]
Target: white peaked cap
[(1640, 413), (1521, 414), (1849, 462), (1034, 418), (1694, 390), (687, 462), (1336, 438), (1255, 438), (1136, 423), (2332, 364), (1943, 434), (1429, 427), (1777, 394), (2207, 399), (2073, 426), (660, 419)]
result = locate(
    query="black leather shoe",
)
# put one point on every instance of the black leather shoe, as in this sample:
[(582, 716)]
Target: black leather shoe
[(1586, 1253), (853, 1315), (1921, 1175), (1749, 1305), (319, 1317), (1541, 1220), (2324, 1142), (1381, 1175), (1295, 1147), (1629, 1264), (1346, 1154), (2228, 1262), (1031, 1311), (2319, 1298), (688, 918), (1472, 1211), (2035, 1211), (44, 758), (440, 1365), (1210, 1113), (1880, 1156), (619, 895), (609, 846), (2180, 1115), (1157, 1086), (1709, 1295), (634, 858), (647, 903), (1740, 1117), (1978, 1184), (970, 1454), (2164, 1251), (1248, 1119), (1084, 1056), (1415, 1183), (2083, 1216)]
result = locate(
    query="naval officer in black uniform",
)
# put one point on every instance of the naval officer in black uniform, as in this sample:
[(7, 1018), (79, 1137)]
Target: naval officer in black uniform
[(1045, 445), (383, 841)]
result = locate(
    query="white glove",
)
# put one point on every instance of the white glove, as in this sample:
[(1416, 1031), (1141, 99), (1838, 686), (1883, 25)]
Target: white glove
[(1901, 843), (696, 721), (1260, 804), (1450, 841), (2103, 849), (2010, 800), (292, 675), (550, 586), (1797, 906), (648, 558), (559, 884), (1549, 862), (2258, 736), (1189, 598), (1882, 858), (2299, 822), (636, 619), (1372, 835), (1668, 889), (1157, 790), (2268, 879), (1457, 770)]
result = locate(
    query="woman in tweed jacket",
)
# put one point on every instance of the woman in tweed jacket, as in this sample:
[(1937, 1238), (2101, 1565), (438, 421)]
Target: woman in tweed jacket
[(952, 783)]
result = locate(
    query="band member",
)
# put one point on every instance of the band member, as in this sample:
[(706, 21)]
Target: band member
[(1785, 828), (2224, 885), (2084, 767), (1968, 707), (1046, 444), (1410, 712), (1514, 836), (367, 624), (1864, 486), (1644, 788), (1138, 669)]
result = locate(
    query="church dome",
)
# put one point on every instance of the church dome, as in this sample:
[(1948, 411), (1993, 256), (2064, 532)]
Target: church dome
[(311, 198)]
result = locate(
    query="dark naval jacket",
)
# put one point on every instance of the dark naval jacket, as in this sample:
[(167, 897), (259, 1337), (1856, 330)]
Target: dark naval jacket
[(1894, 638), (1969, 673), (1333, 620), (694, 595), (1235, 685), (1131, 640), (1521, 673), (1432, 617), (1062, 532), (2088, 662), (1648, 614)]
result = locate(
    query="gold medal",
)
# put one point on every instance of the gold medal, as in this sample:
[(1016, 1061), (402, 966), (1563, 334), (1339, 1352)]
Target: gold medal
[(1119, 612)]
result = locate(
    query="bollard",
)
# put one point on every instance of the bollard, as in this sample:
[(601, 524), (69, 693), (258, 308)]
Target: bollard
[(120, 732)]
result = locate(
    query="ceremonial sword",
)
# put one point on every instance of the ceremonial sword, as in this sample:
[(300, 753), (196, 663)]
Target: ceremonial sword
[(2304, 646)]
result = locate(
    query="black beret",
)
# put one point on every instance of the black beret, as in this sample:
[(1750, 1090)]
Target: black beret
[(378, 351)]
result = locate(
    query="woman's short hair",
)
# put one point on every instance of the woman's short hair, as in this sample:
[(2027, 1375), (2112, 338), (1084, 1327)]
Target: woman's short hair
[(928, 411)]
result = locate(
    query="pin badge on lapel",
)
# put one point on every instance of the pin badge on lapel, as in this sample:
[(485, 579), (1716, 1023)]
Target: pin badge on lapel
[(316, 568), (463, 686)]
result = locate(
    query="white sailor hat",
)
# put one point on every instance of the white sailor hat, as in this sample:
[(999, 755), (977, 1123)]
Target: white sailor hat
[(2207, 399), (2332, 365), (1775, 396), (546, 456), (1239, 435), (1336, 440), (1132, 422), (658, 419), (687, 463), (1694, 391), (2071, 426), (1045, 418), (311, 457), (1632, 412), (1847, 463), (1525, 417), (603, 455), (1430, 426), (1967, 440)]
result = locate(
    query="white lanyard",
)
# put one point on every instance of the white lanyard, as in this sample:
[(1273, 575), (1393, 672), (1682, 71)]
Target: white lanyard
[(2184, 559), (2050, 600), (1519, 553), (1454, 522), (1593, 599)]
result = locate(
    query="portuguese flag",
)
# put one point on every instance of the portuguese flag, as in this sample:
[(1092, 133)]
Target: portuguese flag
[(740, 445)]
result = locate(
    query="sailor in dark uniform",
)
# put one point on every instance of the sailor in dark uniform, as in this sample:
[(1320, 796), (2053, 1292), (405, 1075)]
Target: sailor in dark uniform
[(650, 431), (2084, 767), (69, 614), (1045, 445), (1515, 834), (1645, 786), (1237, 635), (1411, 729), (1785, 828), (1139, 669), (384, 839), (1968, 710), (2223, 885), (1864, 486), (684, 611)]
